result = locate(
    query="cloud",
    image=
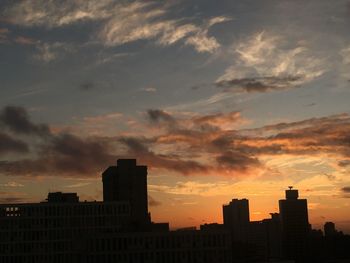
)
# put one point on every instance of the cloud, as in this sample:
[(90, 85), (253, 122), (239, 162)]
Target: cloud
[(195, 188), (175, 34), (201, 41), (345, 53), (140, 21), (63, 155), (12, 184), (87, 85), (55, 14), (169, 162), (12, 200), (17, 120), (153, 202), (9, 144), (259, 84), (48, 52), (344, 163), (120, 22), (183, 143), (156, 116), (238, 161), (149, 89), (25, 40), (182, 123), (346, 189), (77, 185), (265, 62), (10, 197), (4, 35), (109, 117)]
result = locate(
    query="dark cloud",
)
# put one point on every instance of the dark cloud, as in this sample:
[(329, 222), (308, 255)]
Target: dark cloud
[(217, 120), (77, 155), (63, 155), (310, 104), (330, 177), (316, 122), (344, 163), (259, 84), (164, 161), (346, 189), (237, 161), (17, 120), (9, 144), (87, 85), (153, 202), (156, 116), (186, 143), (135, 145)]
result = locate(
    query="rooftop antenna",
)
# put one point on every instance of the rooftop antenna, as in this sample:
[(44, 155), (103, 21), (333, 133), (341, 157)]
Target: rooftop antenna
[(290, 187)]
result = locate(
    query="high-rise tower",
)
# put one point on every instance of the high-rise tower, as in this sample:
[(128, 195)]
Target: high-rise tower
[(295, 224), (128, 182), (236, 218)]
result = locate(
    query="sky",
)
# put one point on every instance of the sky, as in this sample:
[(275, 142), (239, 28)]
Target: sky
[(221, 100)]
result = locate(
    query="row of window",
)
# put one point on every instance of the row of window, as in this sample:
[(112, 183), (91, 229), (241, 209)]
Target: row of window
[(66, 210), (159, 242)]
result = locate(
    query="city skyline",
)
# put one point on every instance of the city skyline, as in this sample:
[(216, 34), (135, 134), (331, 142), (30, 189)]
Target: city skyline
[(233, 100), (120, 228)]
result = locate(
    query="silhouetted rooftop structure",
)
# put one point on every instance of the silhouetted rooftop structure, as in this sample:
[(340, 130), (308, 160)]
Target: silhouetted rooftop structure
[(60, 197)]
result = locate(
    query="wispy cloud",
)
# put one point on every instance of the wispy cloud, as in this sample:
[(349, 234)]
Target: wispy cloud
[(195, 188), (345, 53), (55, 14), (12, 184), (201, 41), (153, 202), (149, 89), (78, 185), (4, 35), (264, 62), (121, 23), (48, 52), (25, 40)]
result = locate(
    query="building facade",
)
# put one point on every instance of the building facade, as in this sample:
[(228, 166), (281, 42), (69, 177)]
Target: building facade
[(55, 231), (127, 182), (236, 218), (295, 224)]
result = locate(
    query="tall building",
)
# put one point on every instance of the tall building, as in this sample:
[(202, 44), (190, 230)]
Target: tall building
[(127, 182), (295, 224), (236, 218)]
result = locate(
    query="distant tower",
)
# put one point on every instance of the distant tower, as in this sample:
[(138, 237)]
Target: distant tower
[(128, 182), (236, 218), (295, 224), (329, 229)]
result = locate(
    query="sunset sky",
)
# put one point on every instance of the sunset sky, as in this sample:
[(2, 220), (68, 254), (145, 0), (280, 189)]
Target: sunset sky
[(220, 99)]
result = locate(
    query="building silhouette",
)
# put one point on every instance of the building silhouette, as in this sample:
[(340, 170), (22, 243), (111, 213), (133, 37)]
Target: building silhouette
[(295, 224), (236, 218), (119, 229), (127, 182)]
